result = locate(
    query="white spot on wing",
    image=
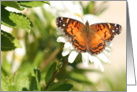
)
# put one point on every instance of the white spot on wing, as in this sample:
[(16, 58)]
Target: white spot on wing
[(113, 31), (61, 18), (63, 25)]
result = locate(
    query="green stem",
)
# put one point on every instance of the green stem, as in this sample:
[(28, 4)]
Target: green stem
[(55, 74)]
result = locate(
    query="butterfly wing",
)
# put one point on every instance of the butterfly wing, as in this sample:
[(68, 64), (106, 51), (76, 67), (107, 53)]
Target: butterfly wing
[(73, 29), (106, 30), (101, 33)]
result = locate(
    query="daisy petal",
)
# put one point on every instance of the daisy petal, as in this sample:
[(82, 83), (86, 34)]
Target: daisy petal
[(65, 52), (91, 58), (67, 45), (60, 31), (109, 44), (72, 56), (91, 19), (103, 58), (98, 63), (85, 59), (62, 39), (106, 52), (66, 49)]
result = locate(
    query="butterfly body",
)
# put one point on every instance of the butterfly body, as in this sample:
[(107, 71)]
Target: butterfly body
[(88, 38)]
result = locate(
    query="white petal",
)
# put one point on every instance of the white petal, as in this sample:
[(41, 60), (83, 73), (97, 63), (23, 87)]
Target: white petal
[(66, 52), (103, 57), (109, 44), (106, 52), (72, 56), (13, 10), (85, 59), (107, 49), (66, 49), (60, 31), (91, 58), (98, 63), (67, 45), (91, 19), (62, 39)]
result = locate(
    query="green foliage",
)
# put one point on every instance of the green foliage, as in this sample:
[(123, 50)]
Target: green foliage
[(60, 86), (15, 20), (32, 3), (90, 8), (8, 42), (4, 83), (13, 4), (50, 72)]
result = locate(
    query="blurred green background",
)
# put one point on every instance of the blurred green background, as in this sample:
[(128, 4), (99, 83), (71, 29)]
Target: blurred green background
[(31, 67)]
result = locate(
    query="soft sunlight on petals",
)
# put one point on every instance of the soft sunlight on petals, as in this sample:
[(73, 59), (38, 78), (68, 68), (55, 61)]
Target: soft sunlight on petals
[(85, 59), (109, 44), (72, 56), (107, 49), (91, 19), (65, 52), (103, 58), (60, 31), (62, 39), (66, 49), (106, 52), (98, 64)]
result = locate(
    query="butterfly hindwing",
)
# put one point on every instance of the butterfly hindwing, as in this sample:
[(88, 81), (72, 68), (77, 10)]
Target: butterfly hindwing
[(100, 34), (95, 44), (79, 42)]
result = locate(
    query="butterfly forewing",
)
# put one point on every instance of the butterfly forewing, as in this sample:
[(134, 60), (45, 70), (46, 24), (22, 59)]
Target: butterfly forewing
[(70, 26), (73, 29), (106, 30)]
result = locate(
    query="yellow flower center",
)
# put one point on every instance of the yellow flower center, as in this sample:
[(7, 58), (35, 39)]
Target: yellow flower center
[(79, 15)]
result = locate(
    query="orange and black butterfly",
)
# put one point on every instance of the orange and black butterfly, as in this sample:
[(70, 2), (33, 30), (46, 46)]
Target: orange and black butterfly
[(88, 38)]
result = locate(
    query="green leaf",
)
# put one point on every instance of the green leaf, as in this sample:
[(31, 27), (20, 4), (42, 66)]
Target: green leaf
[(37, 73), (4, 83), (33, 84), (64, 87), (8, 42), (101, 11), (32, 3), (50, 72), (80, 78), (60, 86), (38, 77), (13, 4), (21, 80), (15, 20), (12, 88), (38, 58), (89, 8)]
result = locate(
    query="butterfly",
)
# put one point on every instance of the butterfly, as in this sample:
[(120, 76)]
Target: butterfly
[(88, 38)]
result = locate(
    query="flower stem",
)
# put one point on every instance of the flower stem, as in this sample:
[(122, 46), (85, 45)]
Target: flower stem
[(55, 74)]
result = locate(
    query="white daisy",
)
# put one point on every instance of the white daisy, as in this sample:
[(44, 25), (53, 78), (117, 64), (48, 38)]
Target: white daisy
[(74, 10), (86, 57)]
